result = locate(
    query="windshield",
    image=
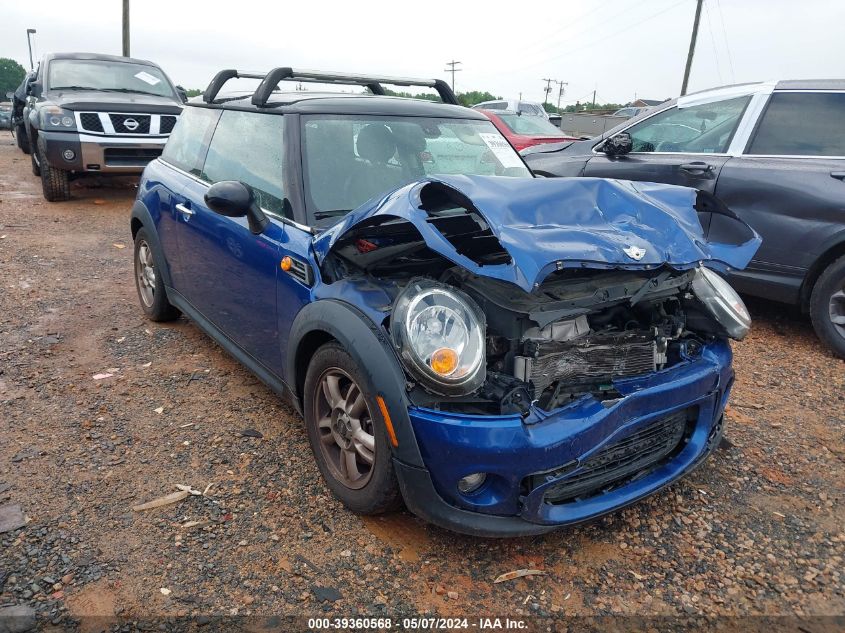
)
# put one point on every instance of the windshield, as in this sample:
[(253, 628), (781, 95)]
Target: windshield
[(532, 125), (350, 159), (78, 74)]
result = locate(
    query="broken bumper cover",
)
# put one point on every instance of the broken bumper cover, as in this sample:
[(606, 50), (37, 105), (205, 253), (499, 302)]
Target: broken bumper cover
[(531, 463)]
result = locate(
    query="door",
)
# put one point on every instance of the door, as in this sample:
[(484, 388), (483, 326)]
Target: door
[(233, 274), (166, 179), (679, 146), (789, 184)]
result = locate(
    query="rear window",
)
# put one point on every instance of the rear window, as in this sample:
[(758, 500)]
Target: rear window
[(802, 124), (531, 125)]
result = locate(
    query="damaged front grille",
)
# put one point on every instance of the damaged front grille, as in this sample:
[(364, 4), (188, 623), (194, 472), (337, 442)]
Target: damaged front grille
[(592, 359), (620, 462)]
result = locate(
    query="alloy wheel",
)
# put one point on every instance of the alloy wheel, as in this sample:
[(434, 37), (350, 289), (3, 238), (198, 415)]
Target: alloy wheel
[(345, 428), (836, 307), (146, 273)]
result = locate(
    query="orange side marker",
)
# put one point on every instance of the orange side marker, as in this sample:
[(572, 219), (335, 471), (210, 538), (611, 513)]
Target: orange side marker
[(286, 263), (387, 421)]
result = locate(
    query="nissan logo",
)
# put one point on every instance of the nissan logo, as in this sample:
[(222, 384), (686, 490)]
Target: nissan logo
[(130, 124)]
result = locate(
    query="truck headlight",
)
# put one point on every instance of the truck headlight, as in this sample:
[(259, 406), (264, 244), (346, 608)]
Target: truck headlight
[(439, 333), (56, 118), (723, 302)]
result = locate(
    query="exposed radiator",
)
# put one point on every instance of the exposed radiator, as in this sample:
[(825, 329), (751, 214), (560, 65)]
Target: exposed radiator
[(588, 359)]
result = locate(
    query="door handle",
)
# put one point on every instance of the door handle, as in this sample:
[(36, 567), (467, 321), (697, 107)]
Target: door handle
[(181, 208), (697, 166), (839, 175)]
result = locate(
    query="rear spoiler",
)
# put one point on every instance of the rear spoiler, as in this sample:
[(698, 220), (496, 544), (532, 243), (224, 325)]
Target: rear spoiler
[(270, 82)]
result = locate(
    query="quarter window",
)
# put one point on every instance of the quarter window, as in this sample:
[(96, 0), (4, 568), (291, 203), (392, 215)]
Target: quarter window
[(700, 129), (802, 124), (186, 146), (249, 147)]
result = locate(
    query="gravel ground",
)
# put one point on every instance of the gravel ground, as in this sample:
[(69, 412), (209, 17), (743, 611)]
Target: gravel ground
[(759, 529)]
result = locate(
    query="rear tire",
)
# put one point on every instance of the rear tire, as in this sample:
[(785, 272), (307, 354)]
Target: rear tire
[(148, 281), (54, 182), (22, 138), (369, 486), (827, 307)]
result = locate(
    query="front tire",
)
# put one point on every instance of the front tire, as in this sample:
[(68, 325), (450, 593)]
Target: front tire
[(827, 307), (347, 433), (22, 139), (149, 283), (54, 182)]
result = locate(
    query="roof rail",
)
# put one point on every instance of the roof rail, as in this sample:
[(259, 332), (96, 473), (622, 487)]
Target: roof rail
[(270, 81)]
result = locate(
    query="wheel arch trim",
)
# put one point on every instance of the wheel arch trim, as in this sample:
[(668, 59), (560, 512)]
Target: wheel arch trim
[(832, 249), (141, 218), (368, 344)]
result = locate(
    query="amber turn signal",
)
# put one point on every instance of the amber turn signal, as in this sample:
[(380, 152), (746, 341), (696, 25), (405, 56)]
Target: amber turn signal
[(286, 263), (444, 361)]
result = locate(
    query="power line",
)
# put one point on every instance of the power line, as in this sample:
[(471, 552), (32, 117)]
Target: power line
[(713, 42), (453, 70), (725, 37)]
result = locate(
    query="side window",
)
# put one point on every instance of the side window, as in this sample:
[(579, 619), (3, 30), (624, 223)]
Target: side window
[(802, 124), (703, 129), (249, 147), (187, 142), (497, 105)]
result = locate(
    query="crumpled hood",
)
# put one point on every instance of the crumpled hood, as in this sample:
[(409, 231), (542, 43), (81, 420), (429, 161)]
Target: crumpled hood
[(551, 224)]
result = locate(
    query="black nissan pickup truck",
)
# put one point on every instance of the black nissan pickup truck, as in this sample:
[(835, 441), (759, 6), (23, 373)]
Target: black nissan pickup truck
[(96, 114)]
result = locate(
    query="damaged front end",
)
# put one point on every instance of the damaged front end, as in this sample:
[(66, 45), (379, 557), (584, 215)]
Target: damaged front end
[(586, 309)]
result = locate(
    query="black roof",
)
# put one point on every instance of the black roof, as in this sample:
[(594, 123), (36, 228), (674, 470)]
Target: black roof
[(99, 57), (307, 102)]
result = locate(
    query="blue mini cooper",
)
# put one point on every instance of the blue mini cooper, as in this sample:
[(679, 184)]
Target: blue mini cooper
[(505, 354)]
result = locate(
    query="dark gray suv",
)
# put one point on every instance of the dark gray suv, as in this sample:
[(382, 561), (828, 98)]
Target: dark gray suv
[(773, 152)]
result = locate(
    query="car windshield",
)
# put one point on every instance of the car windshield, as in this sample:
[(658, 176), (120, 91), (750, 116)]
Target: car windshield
[(531, 125), (350, 159), (89, 74)]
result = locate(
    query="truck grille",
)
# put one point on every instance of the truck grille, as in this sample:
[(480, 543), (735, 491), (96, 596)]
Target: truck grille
[(618, 463), (123, 123), (130, 156), (91, 121), (130, 123), (167, 123), (593, 358)]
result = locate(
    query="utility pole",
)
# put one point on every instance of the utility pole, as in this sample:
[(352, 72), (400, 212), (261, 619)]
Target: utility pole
[(29, 32), (560, 85), (126, 28), (594, 99), (547, 89), (452, 70), (691, 46)]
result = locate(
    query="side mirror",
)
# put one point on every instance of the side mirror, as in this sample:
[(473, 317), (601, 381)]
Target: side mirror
[(34, 89), (617, 145), (183, 94), (236, 200)]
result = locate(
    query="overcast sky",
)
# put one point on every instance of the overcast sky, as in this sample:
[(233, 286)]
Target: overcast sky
[(620, 48)]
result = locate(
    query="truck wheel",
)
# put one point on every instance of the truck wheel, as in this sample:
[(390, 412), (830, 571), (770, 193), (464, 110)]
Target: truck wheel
[(54, 182), (149, 282), (347, 433), (22, 138), (827, 307), (36, 170)]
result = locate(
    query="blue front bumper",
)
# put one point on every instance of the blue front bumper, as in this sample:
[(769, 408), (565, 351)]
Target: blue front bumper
[(513, 451)]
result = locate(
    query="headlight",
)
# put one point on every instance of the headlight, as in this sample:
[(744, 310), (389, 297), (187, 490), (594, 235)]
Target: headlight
[(723, 302), (56, 118), (439, 333)]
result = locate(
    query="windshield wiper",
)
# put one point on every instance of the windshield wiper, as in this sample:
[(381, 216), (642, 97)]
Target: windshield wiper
[(322, 215), (140, 92), (71, 88)]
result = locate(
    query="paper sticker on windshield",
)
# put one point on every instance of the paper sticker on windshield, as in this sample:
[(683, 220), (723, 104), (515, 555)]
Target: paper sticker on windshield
[(501, 149), (148, 78)]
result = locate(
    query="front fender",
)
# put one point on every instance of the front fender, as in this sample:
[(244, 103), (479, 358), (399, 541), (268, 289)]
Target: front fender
[(141, 214), (370, 347)]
